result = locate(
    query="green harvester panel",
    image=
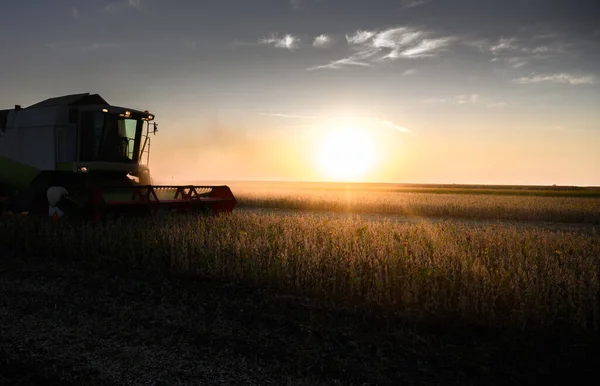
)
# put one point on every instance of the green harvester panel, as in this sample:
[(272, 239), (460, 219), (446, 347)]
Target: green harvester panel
[(16, 174)]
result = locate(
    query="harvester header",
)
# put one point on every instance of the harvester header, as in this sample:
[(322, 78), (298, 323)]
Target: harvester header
[(78, 155)]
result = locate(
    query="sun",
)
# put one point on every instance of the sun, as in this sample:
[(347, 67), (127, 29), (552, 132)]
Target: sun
[(346, 154)]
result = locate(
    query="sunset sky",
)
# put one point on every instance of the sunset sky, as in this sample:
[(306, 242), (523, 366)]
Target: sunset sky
[(424, 91)]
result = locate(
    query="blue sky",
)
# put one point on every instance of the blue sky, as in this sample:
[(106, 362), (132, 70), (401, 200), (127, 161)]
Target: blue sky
[(471, 91)]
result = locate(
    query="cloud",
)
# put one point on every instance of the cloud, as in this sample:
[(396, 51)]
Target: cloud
[(399, 42), (517, 62), (289, 42), (110, 8), (390, 44), (425, 48), (322, 41), (396, 37), (461, 99), (75, 13), (503, 44), (410, 71), (513, 46), (279, 115), (540, 50), (114, 6), (413, 3), (360, 37), (367, 121), (97, 46), (359, 59), (519, 52), (497, 104), (467, 99), (513, 62), (383, 122), (189, 45), (295, 3), (135, 4), (564, 78), (394, 126)]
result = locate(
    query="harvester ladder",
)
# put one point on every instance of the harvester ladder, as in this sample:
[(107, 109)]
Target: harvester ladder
[(146, 146)]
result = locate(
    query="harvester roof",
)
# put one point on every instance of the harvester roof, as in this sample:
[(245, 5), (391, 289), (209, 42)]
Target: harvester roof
[(72, 100)]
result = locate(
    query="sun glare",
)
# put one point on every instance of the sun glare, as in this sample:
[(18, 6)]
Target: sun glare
[(346, 154)]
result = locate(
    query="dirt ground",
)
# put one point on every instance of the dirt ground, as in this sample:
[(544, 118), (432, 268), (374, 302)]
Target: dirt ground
[(68, 323)]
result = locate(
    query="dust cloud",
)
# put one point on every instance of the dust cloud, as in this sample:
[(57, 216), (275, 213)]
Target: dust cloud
[(217, 152)]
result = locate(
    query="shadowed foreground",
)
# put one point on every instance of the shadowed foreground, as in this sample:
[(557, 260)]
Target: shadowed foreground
[(71, 323)]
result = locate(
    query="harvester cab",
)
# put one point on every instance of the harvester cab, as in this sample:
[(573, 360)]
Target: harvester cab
[(78, 155)]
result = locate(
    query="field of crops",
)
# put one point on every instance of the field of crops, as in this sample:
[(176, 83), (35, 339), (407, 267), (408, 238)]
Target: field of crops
[(491, 275), (468, 204)]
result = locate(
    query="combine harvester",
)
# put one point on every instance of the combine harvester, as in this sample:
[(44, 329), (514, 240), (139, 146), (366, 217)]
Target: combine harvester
[(77, 156)]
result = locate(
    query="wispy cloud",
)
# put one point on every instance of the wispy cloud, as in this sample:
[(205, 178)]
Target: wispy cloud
[(359, 59), (294, 116), (394, 126), (410, 71), (513, 45), (360, 37), (114, 6), (288, 41), (540, 49), (396, 37), (513, 62), (295, 3), (322, 41), (110, 8), (435, 100), (97, 46), (361, 119), (517, 62), (369, 121), (390, 44), (135, 3), (564, 78), (75, 13), (189, 45), (425, 48), (520, 52), (413, 3), (467, 99), (497, 104), (462, 99), (503, 44)]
